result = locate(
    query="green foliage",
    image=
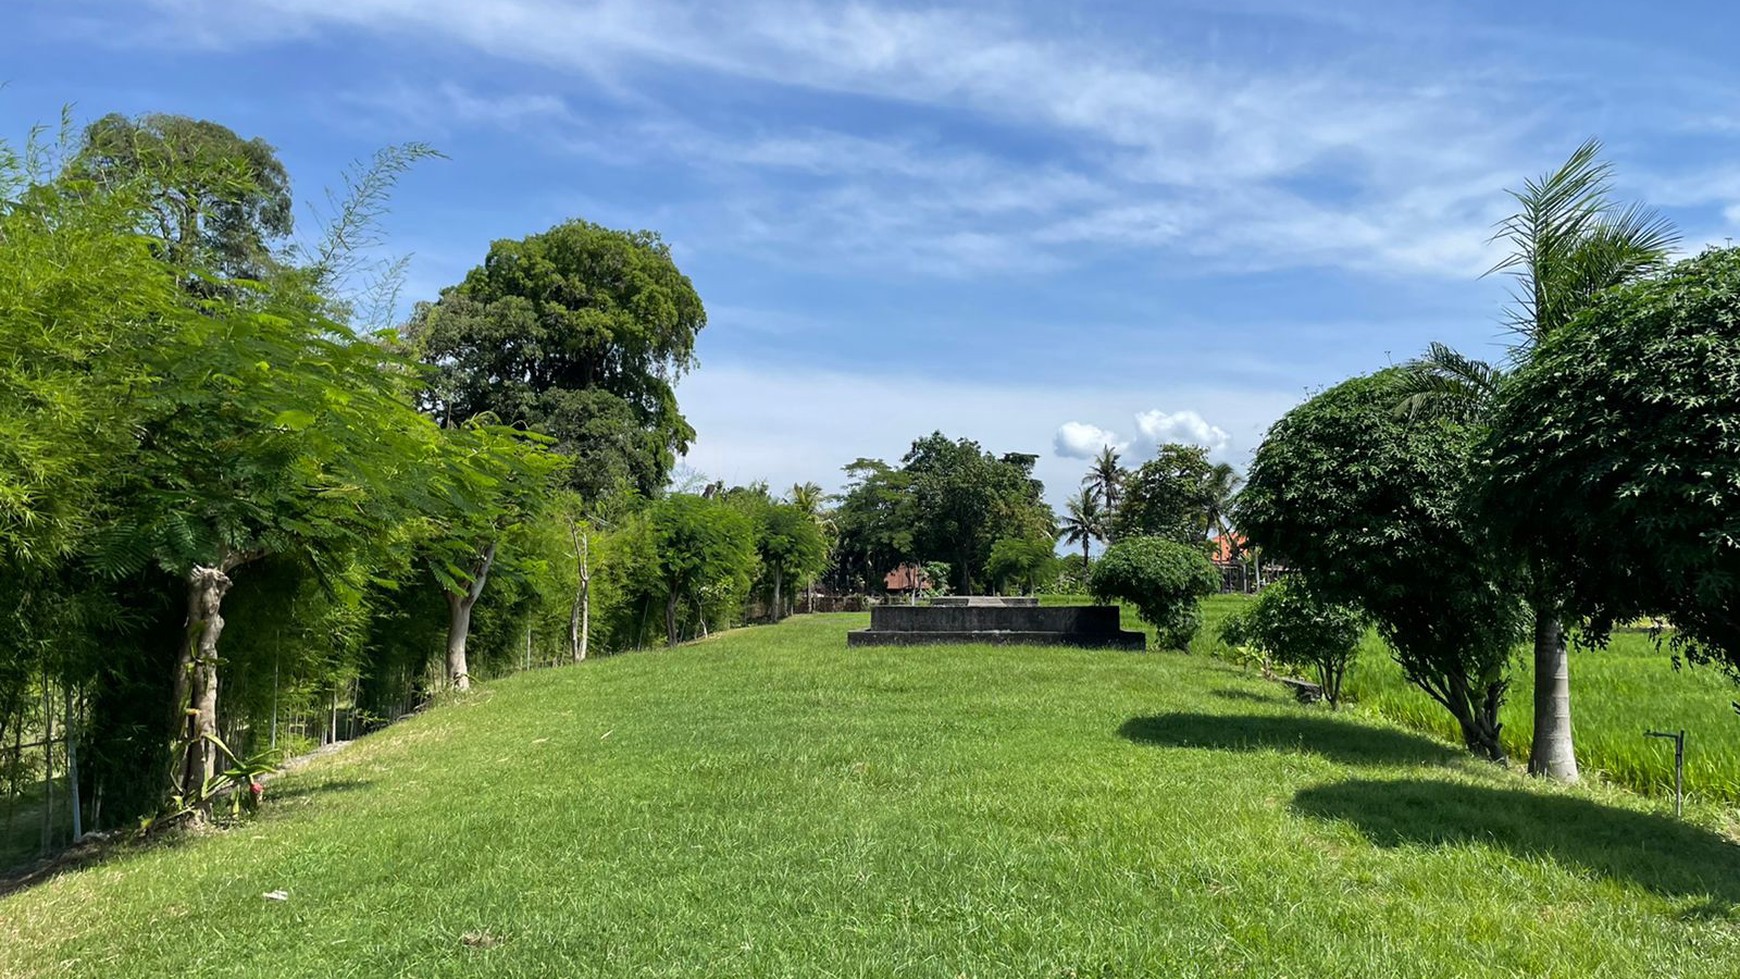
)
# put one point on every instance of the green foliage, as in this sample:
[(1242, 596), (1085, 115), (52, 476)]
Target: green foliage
[(1170, 496), (214, 202), (579, 333), (1374, 508), (691, 554), (1295, 626), (1163, 579), (1026, 564), (1616, 456)]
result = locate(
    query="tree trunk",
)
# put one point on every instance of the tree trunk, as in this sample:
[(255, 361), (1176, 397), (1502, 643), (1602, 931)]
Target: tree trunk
[(458, 629), (776, 584), (459, 606), (1477, 715), (69, 731), (1553, 751), (580, 614), (671, 618), (206, 588)]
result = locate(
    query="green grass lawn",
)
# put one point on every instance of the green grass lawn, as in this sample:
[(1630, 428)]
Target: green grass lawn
[(769, 804)]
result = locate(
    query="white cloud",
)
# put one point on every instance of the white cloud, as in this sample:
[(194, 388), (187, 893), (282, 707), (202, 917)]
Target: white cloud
[(1156, 428), (1076, 440), (1168, 149)]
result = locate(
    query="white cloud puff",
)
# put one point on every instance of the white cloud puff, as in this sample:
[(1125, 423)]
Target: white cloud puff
[(1156, 428), (1078, 440)]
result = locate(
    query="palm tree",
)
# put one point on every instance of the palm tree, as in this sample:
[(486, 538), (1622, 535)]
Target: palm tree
[(1218, 493), (1085, 522), (1105, 478), (1569, 241)]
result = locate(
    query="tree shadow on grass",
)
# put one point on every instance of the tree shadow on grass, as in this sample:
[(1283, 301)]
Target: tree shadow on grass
[(1667, 856), (1314, 734), (1251, 696), (303, 790)]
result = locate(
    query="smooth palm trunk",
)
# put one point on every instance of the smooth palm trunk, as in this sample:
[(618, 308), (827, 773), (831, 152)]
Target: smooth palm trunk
[(1553, 752)]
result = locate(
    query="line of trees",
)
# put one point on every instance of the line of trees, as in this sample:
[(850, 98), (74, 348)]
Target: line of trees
[(1589, 480), (230, 494)]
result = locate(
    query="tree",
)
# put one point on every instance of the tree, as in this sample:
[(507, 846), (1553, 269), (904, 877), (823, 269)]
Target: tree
[(964, 499), (791, 547), (499, 478), (1569, 241), (1165, 580), (1616, 456), (1024, 562), (1220, 490), (578, 333), (1105, 479), (874, 523), (214, 201), (1168, 496), (688, 544), (1295, 625), (1084, 522), (1375, 509)]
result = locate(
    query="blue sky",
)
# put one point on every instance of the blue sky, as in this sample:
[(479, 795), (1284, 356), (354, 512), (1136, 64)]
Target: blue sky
[(1038, 225)]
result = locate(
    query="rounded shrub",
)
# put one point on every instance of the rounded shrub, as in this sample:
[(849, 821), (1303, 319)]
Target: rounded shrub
[(1163, 580), (1297, 627)]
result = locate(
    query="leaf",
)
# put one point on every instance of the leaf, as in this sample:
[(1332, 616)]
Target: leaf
[(294, 419)]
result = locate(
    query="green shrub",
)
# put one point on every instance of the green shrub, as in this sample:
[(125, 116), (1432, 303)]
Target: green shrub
[(1295, 626), (1163, 580)]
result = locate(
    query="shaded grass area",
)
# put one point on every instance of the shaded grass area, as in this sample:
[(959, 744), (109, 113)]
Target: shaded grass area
[(769, 804), (1616, 694)]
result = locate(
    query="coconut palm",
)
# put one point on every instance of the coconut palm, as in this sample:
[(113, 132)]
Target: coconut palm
[(1569, 241), (1106, 478), (1218, 492), (1085, 521)]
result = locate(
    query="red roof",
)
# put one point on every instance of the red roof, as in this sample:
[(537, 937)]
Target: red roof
[(1228, 548)]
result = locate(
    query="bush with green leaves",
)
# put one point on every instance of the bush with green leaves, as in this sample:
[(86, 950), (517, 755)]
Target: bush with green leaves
[(1298, 628), (1162, 579)]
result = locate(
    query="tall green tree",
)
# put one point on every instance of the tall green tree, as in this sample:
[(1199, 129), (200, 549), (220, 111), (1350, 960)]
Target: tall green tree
[(1168, 496), (578, 333), (964, 499), (215, 202), (1376, 510), (1105, 478), (1616, 456), (687, 546), (1084, 522), (1569, 241)]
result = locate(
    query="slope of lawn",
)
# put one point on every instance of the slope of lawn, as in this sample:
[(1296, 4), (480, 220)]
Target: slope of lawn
[(769, 804)]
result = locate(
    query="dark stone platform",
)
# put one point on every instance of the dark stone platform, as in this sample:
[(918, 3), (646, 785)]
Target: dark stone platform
[(985, 601), (1093, 626)]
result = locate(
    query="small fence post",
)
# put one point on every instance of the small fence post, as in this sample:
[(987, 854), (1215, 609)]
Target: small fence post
[(1679, 740)]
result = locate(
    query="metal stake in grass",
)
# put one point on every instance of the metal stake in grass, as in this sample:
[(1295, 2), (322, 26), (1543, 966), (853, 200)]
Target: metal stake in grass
[(1679, 741)]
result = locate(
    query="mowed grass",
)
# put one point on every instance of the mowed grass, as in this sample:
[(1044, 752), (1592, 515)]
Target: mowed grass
[(769, 803)]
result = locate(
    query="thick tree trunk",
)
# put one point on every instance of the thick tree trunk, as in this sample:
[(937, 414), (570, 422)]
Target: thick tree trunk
[(1553, 751), (206, 588), (458, 630), (671, 618), (459, 606)]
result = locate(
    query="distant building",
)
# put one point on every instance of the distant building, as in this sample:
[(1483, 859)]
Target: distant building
[(905, 579)]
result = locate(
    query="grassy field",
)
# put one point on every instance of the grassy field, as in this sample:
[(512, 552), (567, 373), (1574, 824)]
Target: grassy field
[(1616, 694), (768, 804)]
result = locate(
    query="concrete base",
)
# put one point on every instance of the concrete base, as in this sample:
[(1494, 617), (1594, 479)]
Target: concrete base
[(1093, 626), (984, 601)]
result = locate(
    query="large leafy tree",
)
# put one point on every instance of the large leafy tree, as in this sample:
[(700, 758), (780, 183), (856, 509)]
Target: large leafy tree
[(686, 546), (965, 499), (1375, 509), (215, 202), (1169, 496), (874, 524), (578, 333), (1569, 240), (1616, 456)]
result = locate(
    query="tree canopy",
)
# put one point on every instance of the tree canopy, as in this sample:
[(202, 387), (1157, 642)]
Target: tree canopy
[(579, 333), (1615, 455), (1376, 508)]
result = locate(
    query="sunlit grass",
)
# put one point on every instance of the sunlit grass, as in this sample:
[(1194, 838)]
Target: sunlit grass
[(769, 803)]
